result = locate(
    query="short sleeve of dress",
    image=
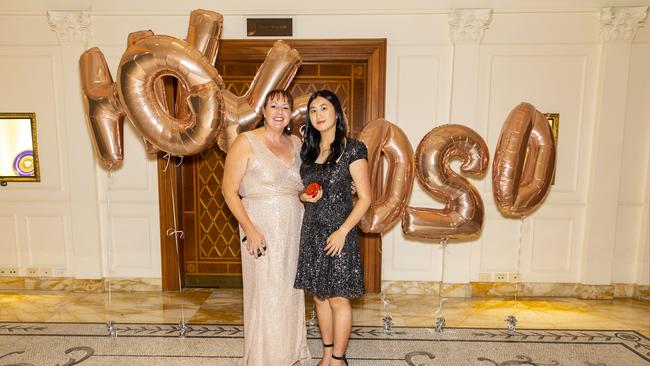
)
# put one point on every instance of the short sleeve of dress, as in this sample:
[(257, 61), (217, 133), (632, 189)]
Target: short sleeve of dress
[(358, 150)]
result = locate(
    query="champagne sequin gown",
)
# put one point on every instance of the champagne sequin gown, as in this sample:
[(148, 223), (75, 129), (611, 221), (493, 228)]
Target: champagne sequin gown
[(274, 311)]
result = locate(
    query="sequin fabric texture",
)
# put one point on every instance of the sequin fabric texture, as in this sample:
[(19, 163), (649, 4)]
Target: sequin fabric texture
[(318, 273), (274, 311)]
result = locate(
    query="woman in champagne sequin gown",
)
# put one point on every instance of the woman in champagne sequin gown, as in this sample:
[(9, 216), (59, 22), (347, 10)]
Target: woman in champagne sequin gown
[(262, 168)]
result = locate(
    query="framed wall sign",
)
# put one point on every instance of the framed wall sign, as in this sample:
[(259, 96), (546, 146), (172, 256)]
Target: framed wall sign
[(554, 121), (18, 148)]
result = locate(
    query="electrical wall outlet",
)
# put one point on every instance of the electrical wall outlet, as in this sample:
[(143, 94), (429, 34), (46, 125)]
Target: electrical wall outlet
[(485, 277), (34, 271), (500, 277), (8, 271), (514, 277)]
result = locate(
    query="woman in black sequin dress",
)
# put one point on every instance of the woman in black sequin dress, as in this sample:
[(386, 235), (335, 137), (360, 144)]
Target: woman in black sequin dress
[(329, 263)]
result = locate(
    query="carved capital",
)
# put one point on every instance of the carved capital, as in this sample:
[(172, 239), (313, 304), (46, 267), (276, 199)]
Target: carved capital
[(469, 25), (71, 27), (620, 24)]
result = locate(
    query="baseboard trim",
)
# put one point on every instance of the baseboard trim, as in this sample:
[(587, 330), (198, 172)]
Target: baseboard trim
[(524, 289), (462, 290), (80, 285)]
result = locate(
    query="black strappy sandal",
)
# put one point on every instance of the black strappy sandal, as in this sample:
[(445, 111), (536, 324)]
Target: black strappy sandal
[(342, 358)]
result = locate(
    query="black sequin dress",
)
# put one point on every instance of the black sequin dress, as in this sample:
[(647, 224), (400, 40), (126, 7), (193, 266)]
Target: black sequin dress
[(318, 273)]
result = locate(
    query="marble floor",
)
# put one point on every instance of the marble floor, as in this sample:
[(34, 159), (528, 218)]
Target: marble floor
[(224, 306)]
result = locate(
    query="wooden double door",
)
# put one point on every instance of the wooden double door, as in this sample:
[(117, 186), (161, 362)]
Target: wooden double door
[(208, 254)]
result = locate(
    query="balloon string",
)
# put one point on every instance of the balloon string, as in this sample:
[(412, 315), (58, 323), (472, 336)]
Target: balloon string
[(443, 242), (387, 320), (167, 157), (176, 233), (171, 232), (385, 303), (518, 272), (109, 239)]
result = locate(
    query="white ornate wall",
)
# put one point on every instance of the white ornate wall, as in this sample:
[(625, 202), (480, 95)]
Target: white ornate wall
[(472, 65)]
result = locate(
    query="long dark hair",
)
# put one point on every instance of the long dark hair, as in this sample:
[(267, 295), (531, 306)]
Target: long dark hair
[(283, 94), (311, 143)]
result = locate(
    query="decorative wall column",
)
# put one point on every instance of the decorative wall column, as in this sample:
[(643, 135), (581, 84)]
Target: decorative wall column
[(618, 28), (73, 31), (466, 29), (643, 253)]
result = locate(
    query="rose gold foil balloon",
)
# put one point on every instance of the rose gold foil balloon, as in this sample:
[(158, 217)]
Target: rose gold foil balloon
[(383, 137), (201, 107), (462, 216), (142, 65), (103, 111), (299, 114), (204, 35), (159, 87), (244, 112), (133, 37), (524, 162)]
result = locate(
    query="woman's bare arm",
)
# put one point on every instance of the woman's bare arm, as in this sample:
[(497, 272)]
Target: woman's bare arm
[(233, 173), (361, 178)]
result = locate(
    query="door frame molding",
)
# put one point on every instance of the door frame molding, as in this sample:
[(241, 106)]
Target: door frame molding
[(372, 51)]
